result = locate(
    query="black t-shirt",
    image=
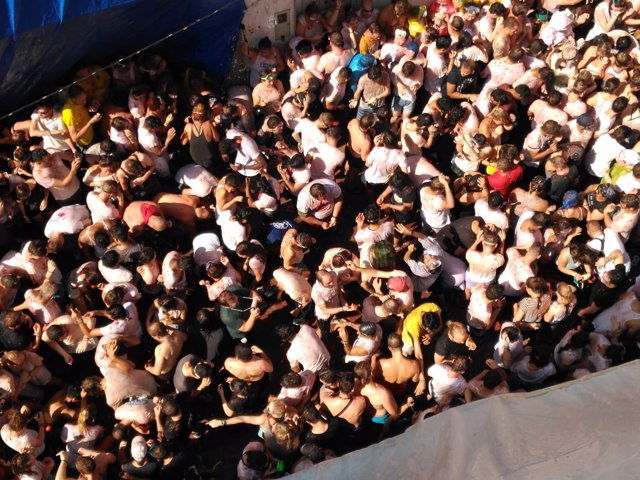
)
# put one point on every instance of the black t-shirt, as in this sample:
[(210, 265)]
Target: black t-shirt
[(458, 234), (463, 83), (446, 348), (325, 439), (148, 470), (400, 196), (181, 382), (604, 296), (18, 339)]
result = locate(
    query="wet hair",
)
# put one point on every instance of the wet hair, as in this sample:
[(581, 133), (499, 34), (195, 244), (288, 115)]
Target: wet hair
[(516, 54), (399, 179), (497, 9), (249, 249), (22, 464), (623, 43), (541, 219), (443, 42), (394, 340), (363, 371), (611, 85), (495, 200), (492, 379), (537, 46), (291, 380), (554, 98), (311, 414), (55, 332), (615, 353), (285, 331), (304, 47), (37, 248), (158, 329), (465, 40), (317, 189), (375, 72), (540, 355), (431, 321), (457, 23), (117, 311), (619, 104), (460, 363), (513, 333), (346, 382), (85, 465), (327, 375), (368, 329), (372, 214), (537, 285), (368, 120), (111, 259), (495, 291), (243, 352), (9, 281)]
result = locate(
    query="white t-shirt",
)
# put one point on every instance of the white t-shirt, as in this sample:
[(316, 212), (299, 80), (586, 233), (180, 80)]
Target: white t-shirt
[(382, 163), (67, 220), (197, 178), (329, 297), (325, 159), (607, 243), (492, 217), (310, 134), (101, 211), (206, 248), (433, 212), (628, 183), (248, 152), (443, 385), (308, 205), (115, 275), (233, 232), (51, 143), (57, 170), (604, 151), (332, 91), (308, 350), (148, 139)]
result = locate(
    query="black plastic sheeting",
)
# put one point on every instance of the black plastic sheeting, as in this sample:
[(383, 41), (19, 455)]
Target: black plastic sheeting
[(33, 62)]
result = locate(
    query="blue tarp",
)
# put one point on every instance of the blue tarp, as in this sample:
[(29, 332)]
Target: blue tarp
[(41, 39)]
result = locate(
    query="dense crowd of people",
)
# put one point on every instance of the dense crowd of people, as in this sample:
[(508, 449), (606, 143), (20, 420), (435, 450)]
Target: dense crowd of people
[(407, 209)]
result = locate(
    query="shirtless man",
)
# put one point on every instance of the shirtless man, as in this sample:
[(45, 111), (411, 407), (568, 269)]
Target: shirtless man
[(393, 16), (141, 214), (336, 57), (504, 37), (184, 209), (395, 372), (361, 136), (292, 249), (347, 404), (250, 363), (167, 352), (378, 396)]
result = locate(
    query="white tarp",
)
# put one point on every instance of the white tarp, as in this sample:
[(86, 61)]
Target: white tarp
[(586, 429)]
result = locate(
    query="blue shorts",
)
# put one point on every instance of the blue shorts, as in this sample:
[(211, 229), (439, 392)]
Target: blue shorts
[(401, 105)]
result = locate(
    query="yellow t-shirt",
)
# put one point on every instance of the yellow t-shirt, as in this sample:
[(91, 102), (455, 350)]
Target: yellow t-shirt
[(96, 85), (78, 116), (412, 325)]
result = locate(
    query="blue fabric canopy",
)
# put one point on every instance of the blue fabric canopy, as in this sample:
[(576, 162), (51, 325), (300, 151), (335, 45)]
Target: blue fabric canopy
[(41, 39)]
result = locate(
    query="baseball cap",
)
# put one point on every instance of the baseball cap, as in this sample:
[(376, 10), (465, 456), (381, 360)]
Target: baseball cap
[(413, 46)]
